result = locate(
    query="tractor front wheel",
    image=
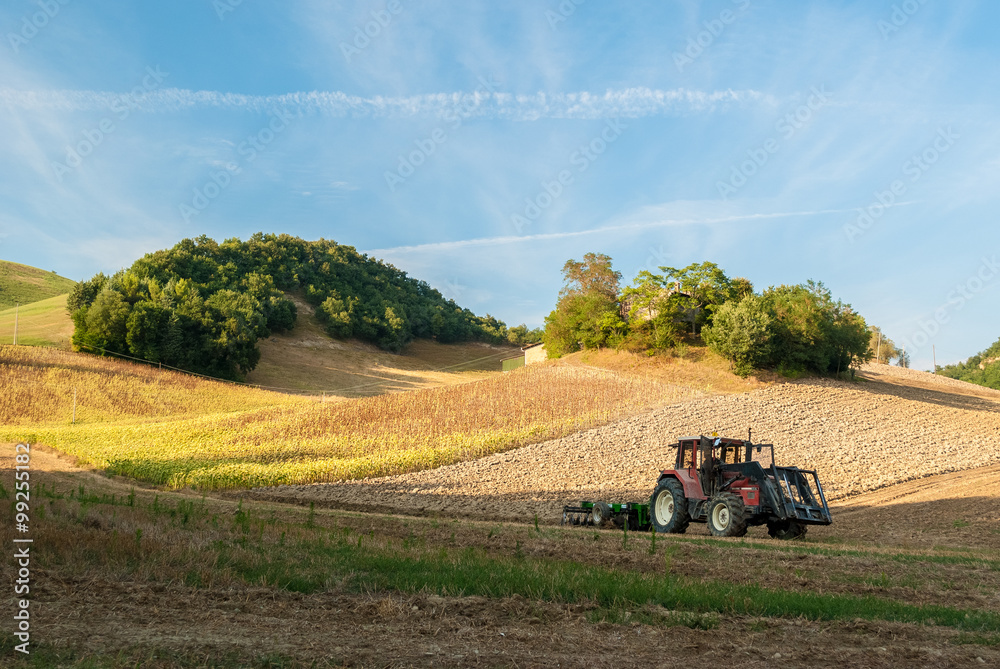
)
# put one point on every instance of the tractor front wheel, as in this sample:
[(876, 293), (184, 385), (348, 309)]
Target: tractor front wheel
[(668, 509), (727, 516), (786, 529)]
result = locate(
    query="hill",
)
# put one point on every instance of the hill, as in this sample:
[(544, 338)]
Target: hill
[(307, 359), (982, 369), (203, 306), (42, 323), (23, 284)]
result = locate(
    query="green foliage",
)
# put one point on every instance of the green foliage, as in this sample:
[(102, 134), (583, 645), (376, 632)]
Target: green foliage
[(813, 332), (653, 313), (741, 331), (982, 369), (794, 329), (703, 288), (884, 350), (202, 306), (588, 314)]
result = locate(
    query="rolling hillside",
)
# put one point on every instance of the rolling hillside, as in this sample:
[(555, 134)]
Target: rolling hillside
[(42, 323), (23, 284), (307, 359)]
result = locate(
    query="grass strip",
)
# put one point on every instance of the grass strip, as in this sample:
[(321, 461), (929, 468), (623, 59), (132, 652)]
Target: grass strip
[(362, 565)]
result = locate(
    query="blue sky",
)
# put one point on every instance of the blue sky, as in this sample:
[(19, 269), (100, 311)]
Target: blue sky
[(478, 146)]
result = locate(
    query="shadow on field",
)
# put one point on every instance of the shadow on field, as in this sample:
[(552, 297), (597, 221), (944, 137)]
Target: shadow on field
[(947, 399)]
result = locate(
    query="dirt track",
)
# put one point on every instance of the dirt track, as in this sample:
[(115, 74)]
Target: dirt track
[(897, 425)]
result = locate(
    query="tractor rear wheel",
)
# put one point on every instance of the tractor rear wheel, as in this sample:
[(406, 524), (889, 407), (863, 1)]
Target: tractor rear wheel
[(786, 529), (727, 516), (668, 509)]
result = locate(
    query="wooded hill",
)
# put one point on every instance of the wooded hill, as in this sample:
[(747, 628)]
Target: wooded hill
[(982, 369), (201, 306)]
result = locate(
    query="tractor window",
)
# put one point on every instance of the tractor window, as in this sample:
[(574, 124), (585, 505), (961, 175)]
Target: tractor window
[(729, 454), (687, 454), (763, 453)]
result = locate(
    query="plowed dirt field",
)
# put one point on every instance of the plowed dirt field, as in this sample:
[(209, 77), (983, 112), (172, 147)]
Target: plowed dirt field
[(891, 427)]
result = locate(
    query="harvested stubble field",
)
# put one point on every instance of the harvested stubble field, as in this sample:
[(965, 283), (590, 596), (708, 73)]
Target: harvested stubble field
[(175, 430), (893, 426)]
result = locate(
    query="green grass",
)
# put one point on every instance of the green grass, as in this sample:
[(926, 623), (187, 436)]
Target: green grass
[(364, 565), (24, 284), (318, 558), (41, 323)]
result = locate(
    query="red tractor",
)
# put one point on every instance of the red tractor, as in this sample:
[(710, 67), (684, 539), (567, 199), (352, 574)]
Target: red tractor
[(732, 484)]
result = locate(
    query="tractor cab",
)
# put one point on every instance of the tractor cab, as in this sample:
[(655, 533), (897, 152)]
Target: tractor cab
[(704, 464)]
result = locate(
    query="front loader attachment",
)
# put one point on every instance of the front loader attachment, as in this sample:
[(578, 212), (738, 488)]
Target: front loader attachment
[(799, 498)]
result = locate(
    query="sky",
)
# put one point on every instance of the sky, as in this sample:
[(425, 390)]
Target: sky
[(480, 145)]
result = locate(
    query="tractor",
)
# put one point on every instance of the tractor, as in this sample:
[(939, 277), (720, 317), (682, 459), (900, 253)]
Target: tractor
[(733, 484)]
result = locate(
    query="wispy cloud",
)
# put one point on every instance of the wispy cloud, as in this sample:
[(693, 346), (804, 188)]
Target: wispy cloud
[(621, 103), (638, 225)]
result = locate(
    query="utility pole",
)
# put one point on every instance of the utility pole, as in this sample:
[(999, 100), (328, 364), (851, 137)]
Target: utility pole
[(17, 307), (878, 350), (934, 354)]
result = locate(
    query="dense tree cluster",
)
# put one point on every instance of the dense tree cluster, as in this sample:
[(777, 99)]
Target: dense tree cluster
[(982, 369), (790, 328), (202, 306)]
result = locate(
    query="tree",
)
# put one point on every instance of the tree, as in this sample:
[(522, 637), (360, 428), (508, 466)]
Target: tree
[(883, 349), (592, 276), (588, 312), (741, 332), (705, 287), (813, 332), (653, 311)]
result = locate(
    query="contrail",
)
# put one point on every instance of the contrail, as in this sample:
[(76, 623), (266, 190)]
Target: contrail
[(515, 239), (621, 103)]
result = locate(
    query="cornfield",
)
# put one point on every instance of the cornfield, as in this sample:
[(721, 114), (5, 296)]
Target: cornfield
[(174, 430)]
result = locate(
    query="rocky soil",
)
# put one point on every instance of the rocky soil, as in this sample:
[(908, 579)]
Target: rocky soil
[(896, 425)]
